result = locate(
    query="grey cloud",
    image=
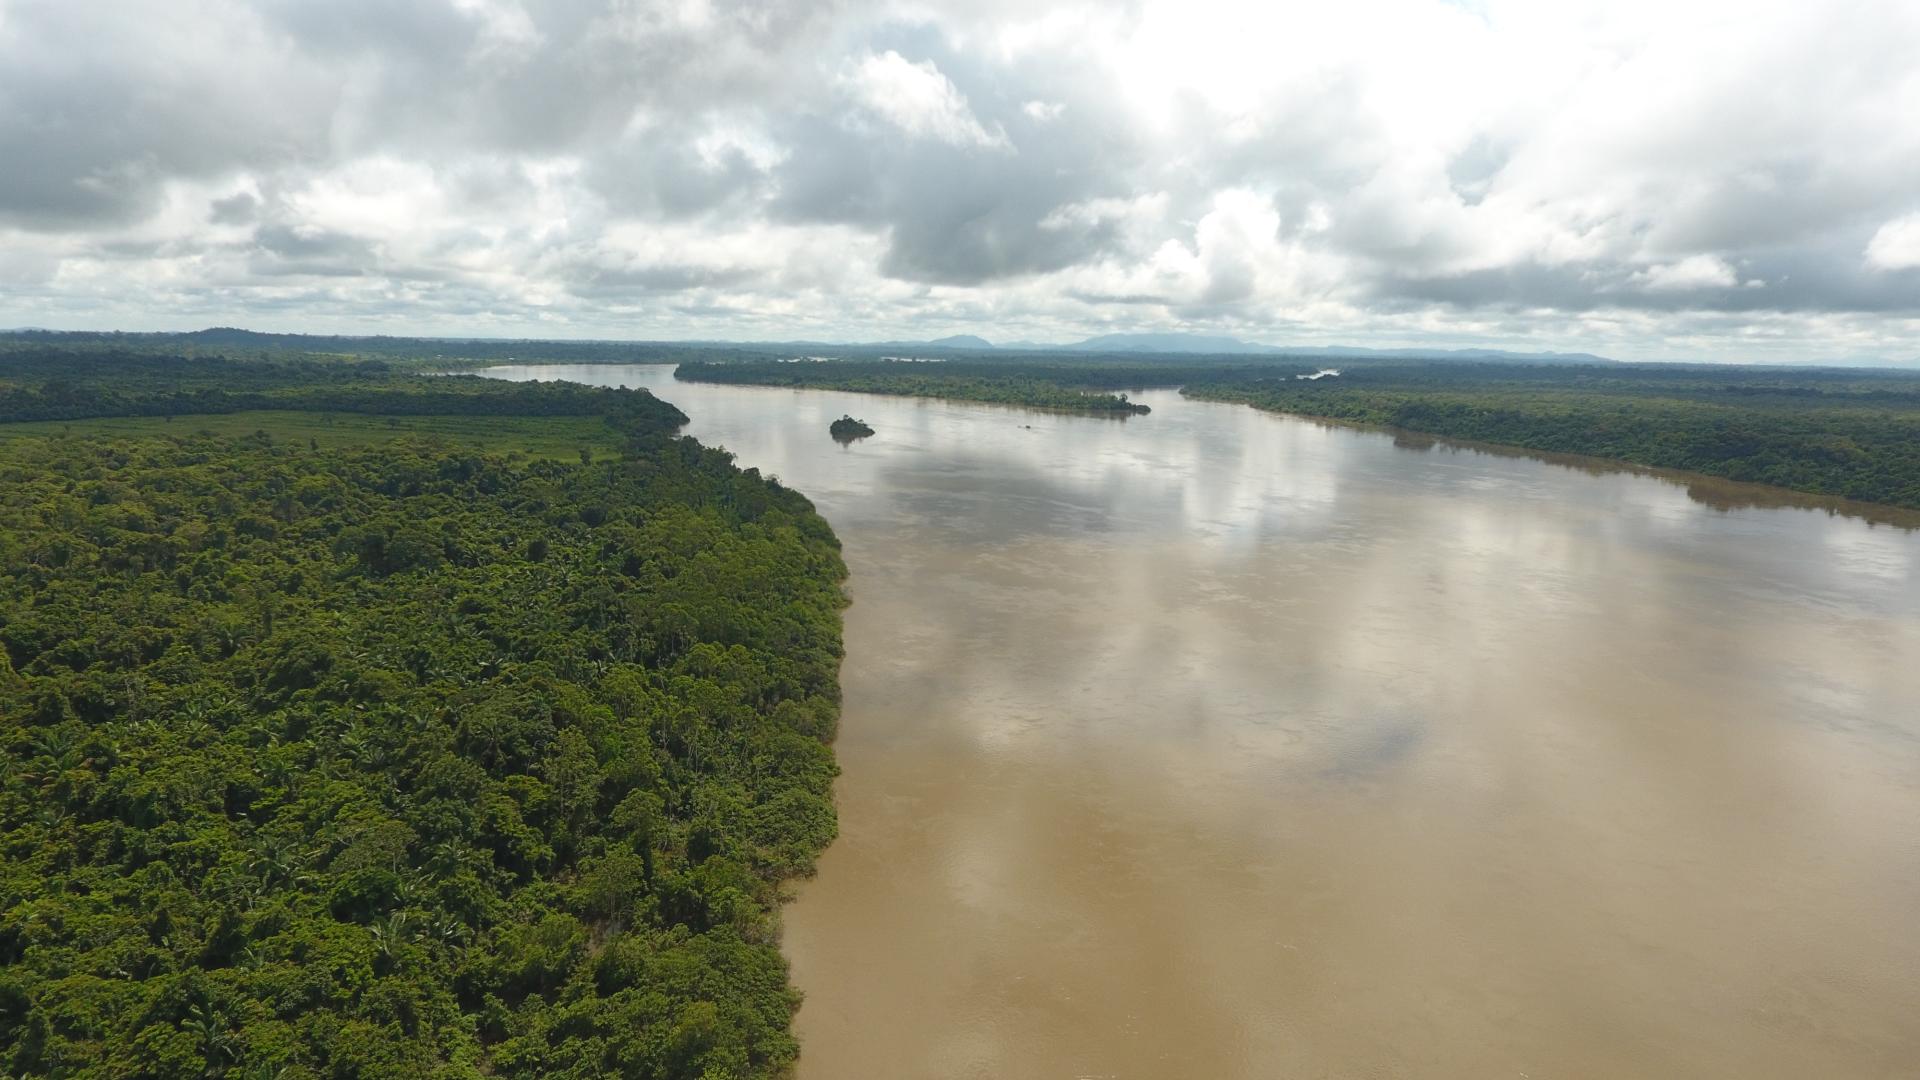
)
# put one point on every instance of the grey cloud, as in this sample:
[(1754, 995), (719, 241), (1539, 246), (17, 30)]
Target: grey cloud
[(348, 28), (1472, 171), (236, 209), (545, 128), (600, 281), (1789, 200), (573, 71), (963, 215), (1824, 277), (284, 249), (99, 109), (662, 174)]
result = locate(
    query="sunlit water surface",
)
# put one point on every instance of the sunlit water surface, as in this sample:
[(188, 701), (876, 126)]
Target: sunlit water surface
[(1215, 744)]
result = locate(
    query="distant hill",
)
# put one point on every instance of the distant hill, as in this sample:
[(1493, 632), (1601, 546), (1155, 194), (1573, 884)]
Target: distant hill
[(233, 335), (956, 341)]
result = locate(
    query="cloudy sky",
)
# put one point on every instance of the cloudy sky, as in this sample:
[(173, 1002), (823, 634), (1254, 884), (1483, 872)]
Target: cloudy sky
[(1642, 179)]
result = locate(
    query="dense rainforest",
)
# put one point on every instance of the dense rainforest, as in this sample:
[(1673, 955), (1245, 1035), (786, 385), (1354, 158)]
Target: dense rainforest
[(1853, 434), (225, 342), (68, 384), (403, 759)]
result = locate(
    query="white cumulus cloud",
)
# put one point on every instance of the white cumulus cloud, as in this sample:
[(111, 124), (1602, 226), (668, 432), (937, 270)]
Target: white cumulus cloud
[(1692, 272), (1896, 246), (919, 100)]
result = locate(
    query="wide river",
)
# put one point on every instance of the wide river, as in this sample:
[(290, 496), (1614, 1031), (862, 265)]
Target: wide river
[(1216, 744)]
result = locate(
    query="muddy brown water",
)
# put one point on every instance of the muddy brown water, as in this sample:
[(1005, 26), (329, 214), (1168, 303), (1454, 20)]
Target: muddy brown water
[(1217, 744)]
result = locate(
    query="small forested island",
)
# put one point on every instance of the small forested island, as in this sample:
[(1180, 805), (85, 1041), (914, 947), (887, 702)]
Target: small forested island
[(846, 429), (333, 749), (1001, 384)]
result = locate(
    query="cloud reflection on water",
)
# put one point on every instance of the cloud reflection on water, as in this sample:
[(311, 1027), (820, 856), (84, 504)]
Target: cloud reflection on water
[(1275, 748)]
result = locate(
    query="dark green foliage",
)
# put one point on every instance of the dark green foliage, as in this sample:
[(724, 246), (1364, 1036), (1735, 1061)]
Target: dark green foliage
[(846, 429), (69, 384), (405, 761), (1054, 389), (221, 342), (1854, 434)]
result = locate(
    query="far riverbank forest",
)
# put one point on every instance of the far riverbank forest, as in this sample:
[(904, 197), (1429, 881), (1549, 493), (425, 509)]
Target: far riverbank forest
[(1846, 432), (339, 748)]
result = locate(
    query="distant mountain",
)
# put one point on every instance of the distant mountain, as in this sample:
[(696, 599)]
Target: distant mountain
[(957, 341)]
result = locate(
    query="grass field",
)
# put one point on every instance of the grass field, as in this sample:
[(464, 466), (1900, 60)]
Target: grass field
[(557, 437)]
